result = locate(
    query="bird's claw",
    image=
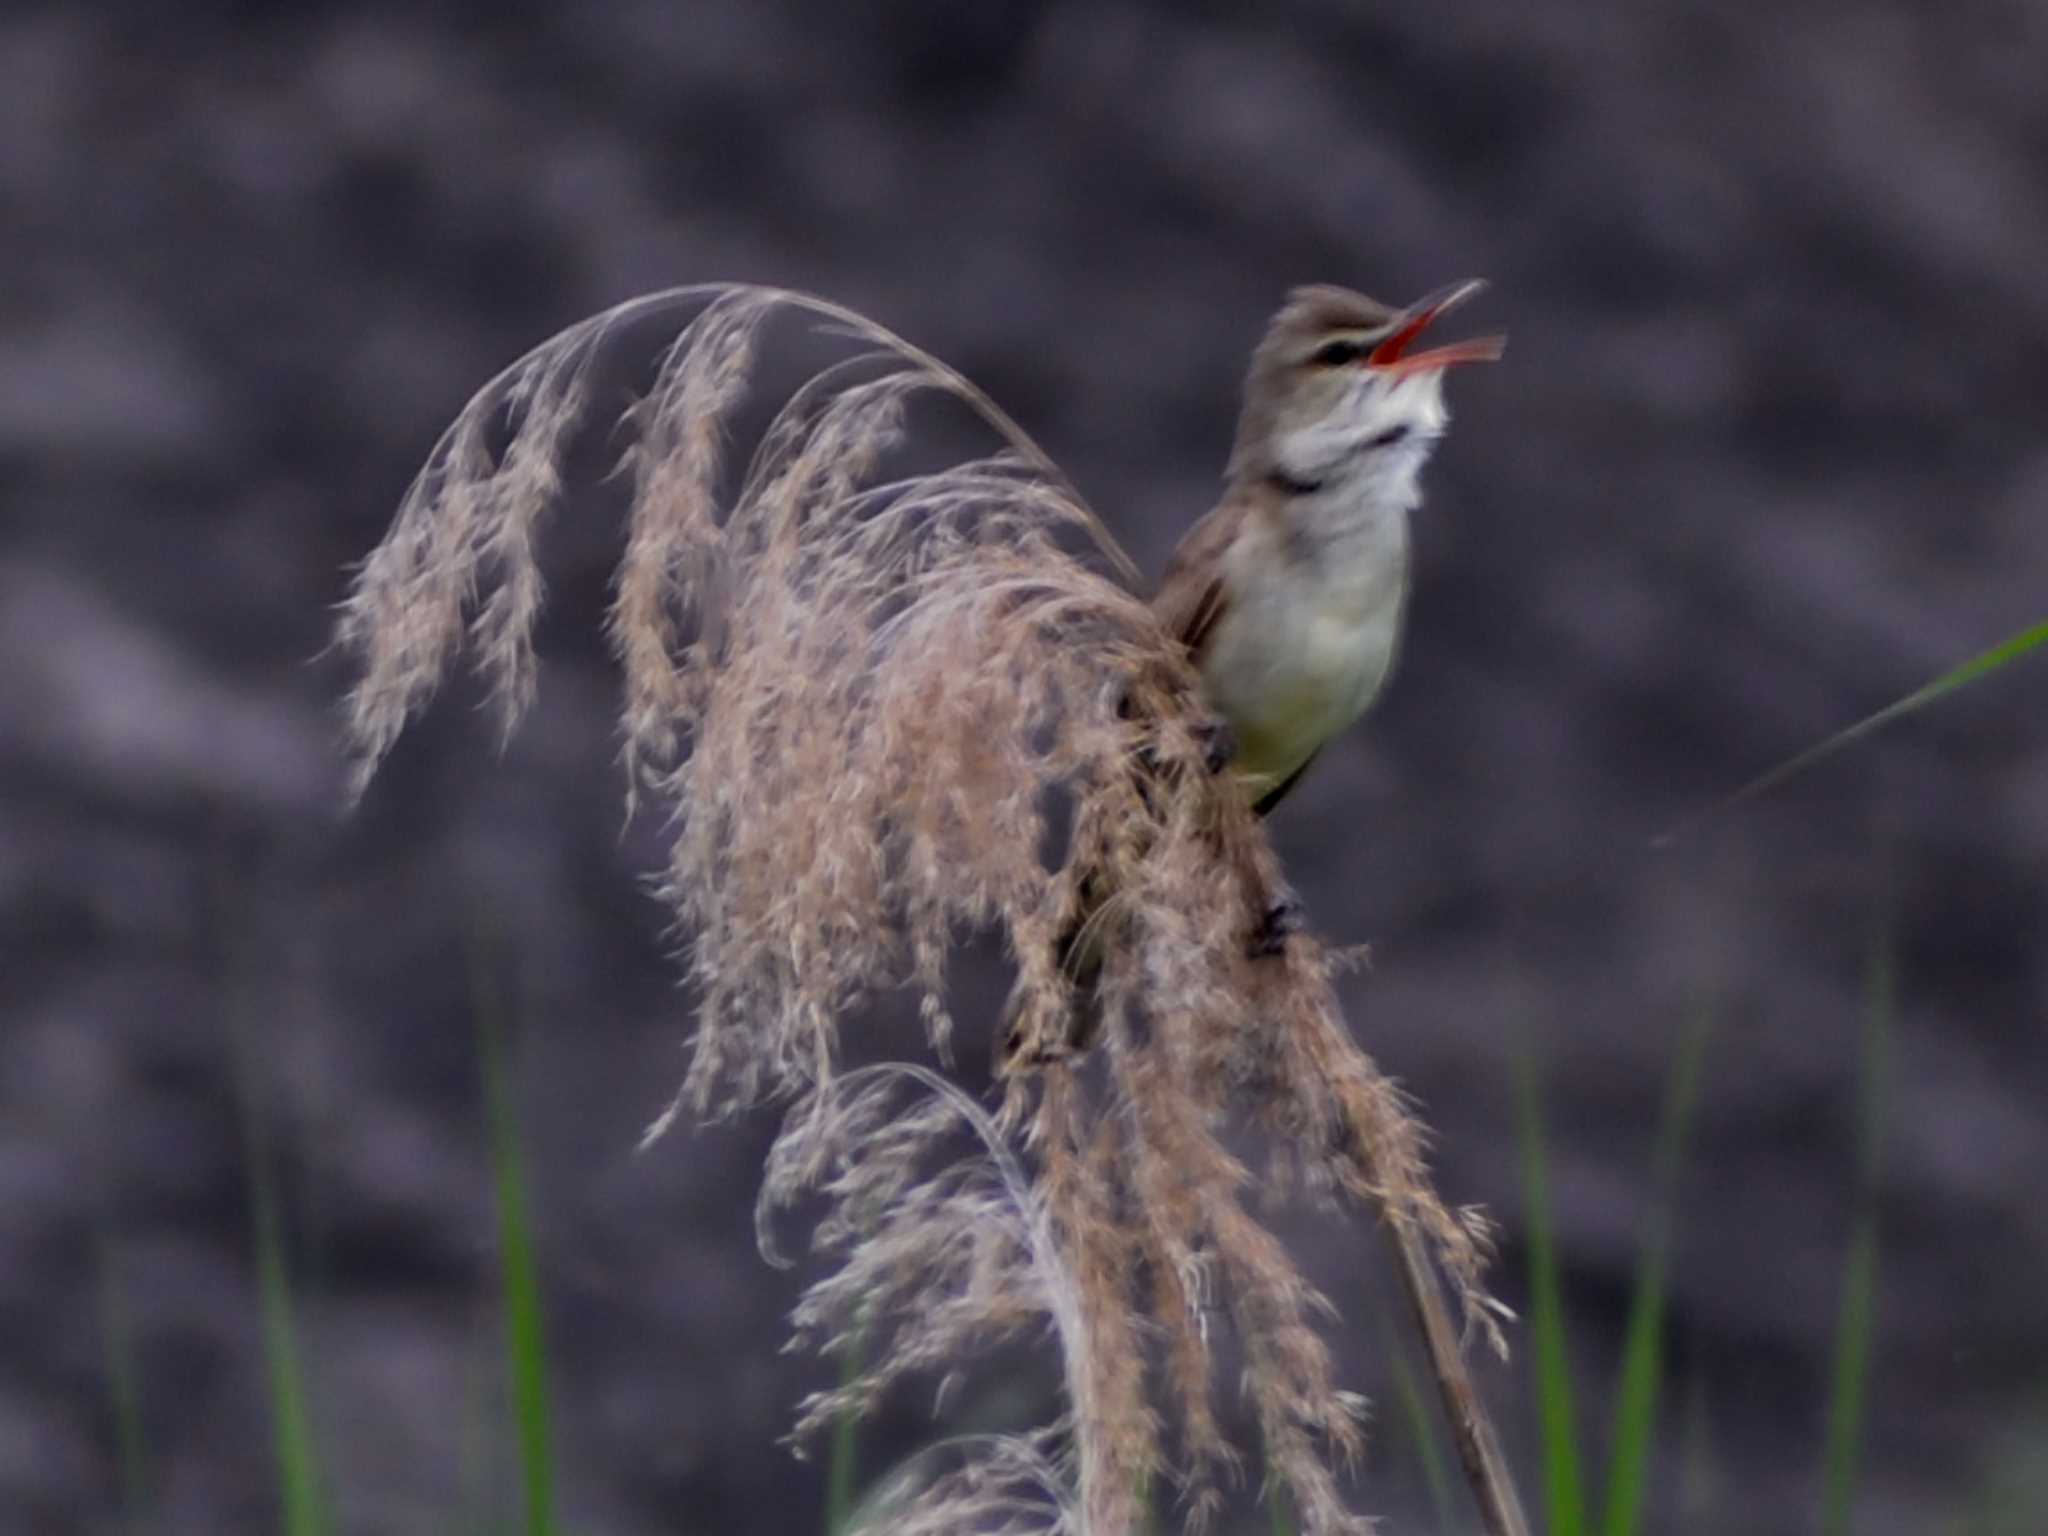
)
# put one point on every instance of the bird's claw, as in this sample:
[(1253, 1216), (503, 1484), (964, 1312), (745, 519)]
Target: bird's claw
[(1283, 918)]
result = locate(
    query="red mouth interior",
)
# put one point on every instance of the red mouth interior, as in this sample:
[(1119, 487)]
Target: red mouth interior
[(1393, 356), (1480, 349)]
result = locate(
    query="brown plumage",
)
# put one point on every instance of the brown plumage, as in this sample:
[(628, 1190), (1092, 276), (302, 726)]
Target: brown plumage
[(1289, 594)]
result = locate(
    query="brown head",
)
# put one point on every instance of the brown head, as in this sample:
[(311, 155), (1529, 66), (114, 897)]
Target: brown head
[(1338, 377)]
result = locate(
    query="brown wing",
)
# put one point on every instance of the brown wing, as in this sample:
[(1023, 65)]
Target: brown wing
[(1190, 598)]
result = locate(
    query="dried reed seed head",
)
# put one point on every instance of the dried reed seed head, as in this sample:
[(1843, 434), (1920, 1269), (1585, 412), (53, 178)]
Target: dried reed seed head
[(859, 698)]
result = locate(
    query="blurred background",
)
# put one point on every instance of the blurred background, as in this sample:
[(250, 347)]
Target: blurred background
[(1766, 453)]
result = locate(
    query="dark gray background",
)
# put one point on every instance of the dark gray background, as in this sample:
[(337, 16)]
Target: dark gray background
[(1765, 453)]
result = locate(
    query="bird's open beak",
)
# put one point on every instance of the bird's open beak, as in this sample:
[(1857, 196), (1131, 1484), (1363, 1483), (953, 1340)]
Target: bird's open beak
[(1393, 356)]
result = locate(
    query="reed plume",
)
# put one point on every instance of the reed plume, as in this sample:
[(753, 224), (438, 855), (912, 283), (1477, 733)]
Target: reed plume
[(886, 707)]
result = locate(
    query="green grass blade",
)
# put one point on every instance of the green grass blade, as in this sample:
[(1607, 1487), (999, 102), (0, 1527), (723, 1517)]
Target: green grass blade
[(1851, 1373), (1563, 1492), (1981, 665), (1642, 1363), (525, 1344), (1635, 1408), (1278, 1512), (1856, 1317), (124, 1387), (298, 1466), (843, 1466), (1413, 1408)]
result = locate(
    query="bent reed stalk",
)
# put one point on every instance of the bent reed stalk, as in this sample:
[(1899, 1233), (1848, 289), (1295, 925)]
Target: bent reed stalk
[(864, 701)]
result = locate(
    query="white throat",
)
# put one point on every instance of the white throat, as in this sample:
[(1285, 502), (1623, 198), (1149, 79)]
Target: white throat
[(1357, 508), (1376, 436), (1353, 476)]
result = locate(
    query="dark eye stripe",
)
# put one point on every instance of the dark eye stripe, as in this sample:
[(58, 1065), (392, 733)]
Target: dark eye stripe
[(1388, 438), (1333, 354)]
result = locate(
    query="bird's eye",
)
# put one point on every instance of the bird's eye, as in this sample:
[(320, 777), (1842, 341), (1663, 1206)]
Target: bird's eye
[(1388, 438), (1334, 354)]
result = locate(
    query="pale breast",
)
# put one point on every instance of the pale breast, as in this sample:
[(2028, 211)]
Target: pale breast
[(1297, 658)]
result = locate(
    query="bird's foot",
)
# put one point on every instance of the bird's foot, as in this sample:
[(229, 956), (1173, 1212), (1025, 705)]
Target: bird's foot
[(1213, 737), (1218, 743), (1284, 917)]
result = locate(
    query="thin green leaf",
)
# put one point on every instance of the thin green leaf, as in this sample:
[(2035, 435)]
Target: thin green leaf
[(1415, 1415), (844, 1464), (124, 1387), (1854, 1325), (1563, 1492), (298, 1466), (1978, 666), (1856, 1317), (1277, 1512), (1642, 1364), (525, 1345)]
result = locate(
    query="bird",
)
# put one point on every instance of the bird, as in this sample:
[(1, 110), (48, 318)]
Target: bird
[(1290, 594)]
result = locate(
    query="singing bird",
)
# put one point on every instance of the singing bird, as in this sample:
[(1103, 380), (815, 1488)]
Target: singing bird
[(1290, 593)]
